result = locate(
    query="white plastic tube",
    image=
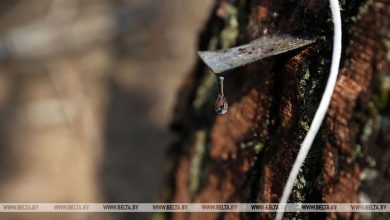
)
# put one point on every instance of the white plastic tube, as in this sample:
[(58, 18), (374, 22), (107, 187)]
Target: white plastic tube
[(322, 108)]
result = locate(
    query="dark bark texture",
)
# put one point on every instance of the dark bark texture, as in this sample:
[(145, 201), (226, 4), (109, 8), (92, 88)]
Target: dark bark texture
[(247, 154)]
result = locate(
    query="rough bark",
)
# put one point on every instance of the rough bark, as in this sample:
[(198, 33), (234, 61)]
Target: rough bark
[(246, 155)]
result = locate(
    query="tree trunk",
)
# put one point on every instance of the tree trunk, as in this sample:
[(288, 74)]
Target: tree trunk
[(247, 154)]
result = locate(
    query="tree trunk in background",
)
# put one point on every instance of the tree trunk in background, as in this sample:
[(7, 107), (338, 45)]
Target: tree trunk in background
[(247, 154), (86, 89)]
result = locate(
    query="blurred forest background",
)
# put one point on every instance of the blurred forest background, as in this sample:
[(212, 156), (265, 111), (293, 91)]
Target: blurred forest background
[(86, 95)]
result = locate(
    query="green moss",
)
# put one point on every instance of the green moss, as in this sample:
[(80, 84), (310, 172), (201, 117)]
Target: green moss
[(206, 93), (304, 92), (356, 153), (229, 34), (387, 45), (258, 147), (299, 194), (367, 130), (300, 185), (380, 99), (305, 125), (196, 162), (371, 161), (310, 83), (303, 81), (362, 10), (371, 120)]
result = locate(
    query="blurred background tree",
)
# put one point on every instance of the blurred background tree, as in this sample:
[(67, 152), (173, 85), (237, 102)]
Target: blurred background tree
[(86, 92)]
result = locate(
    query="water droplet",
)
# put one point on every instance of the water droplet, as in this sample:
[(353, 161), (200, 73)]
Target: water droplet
[(221, 105), (265, 31)]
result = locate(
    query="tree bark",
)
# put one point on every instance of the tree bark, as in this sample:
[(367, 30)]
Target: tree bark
[(247, 154)]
